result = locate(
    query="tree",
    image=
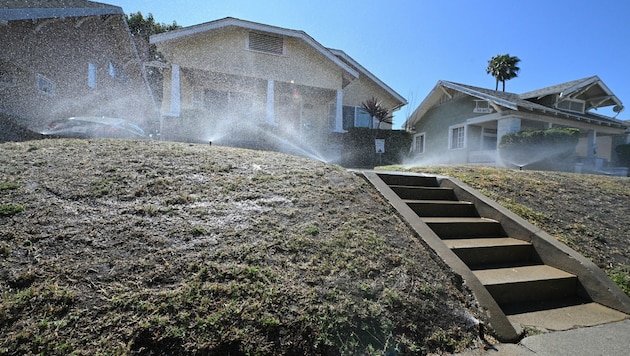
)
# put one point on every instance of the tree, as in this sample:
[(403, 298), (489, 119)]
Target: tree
[(143, 28), (377, 111), (503, 67)]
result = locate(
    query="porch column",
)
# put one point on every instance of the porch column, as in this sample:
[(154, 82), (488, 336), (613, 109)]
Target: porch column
[(506, 126), (176, 91), (339, 112), (270, 115), (591, 144)]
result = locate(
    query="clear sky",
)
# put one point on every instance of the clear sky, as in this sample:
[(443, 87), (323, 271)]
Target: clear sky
[(411, 44)]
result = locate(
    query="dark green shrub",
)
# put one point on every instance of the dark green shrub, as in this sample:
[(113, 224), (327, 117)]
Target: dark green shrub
[(359, 148), (542, 149), (623, 154)]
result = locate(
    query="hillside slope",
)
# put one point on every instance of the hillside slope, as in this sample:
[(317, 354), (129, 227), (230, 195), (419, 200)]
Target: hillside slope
[(124, 247)]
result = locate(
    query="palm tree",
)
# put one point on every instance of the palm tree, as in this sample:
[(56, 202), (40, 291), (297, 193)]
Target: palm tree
[(376, 110), (503, 67)]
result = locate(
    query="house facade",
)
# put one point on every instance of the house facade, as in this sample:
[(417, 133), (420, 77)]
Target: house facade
[(463, 124), (229, 76), (64, 58)]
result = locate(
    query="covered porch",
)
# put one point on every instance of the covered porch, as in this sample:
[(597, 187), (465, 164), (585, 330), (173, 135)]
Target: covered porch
[(594, 152)]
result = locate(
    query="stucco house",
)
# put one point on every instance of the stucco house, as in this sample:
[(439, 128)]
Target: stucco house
[(224, 77), (460, 124), (64, 58)]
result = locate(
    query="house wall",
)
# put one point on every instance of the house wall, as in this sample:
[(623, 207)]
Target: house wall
[(59, 50), (435, 124), (225, 51)]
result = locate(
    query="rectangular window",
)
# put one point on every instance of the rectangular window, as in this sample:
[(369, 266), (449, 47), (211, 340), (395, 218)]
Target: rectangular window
[(457, 137), (362, 118), (418, 143), (45, 86), (355, 116), (265, 42), (92, 75)]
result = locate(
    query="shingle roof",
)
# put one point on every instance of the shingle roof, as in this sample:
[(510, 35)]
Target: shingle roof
[(556, 89), (13, 10), (517, 102)]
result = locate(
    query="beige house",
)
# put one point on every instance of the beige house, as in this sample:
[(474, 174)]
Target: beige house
[(64, 58), (460, 124), (231, 78)]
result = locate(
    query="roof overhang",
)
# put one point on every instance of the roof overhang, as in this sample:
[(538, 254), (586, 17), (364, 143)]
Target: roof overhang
[(442, 88), (592, 90), (341, 54), (48, 13), (180, 34)]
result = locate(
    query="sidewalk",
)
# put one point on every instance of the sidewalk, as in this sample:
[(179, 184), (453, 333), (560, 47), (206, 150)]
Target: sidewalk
[(606, 339)]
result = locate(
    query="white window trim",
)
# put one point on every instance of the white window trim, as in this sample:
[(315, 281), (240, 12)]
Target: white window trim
[(450, 136), (415, 142)]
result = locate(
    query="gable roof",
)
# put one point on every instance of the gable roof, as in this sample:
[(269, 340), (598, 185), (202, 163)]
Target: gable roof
[(13, 10), (516, 102), (231, 21), (590, 89)]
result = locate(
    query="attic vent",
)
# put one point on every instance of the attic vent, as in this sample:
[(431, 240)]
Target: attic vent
[(571, 105), (266, 43), (482, 107)]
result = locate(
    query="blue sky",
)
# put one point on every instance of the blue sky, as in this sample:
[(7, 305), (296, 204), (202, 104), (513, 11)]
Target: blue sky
[(411, 44)]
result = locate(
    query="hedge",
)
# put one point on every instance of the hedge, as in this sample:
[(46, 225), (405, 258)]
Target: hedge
[(541, 149)]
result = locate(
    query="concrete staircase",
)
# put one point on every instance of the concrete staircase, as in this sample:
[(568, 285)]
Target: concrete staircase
[(520, 275)]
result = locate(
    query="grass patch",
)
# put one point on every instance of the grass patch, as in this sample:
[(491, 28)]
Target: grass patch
[(10, 209)]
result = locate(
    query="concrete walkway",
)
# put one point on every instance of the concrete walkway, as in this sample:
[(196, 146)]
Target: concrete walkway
[(606, 339)]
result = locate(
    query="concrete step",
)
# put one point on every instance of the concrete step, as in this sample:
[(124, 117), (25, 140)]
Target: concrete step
[(409, 180), (443, 208), (477, 252), (527, 284), (561, 314), (464, 227), (423, 193)]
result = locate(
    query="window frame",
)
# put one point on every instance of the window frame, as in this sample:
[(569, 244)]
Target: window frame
[(460, 143), (423, 137)]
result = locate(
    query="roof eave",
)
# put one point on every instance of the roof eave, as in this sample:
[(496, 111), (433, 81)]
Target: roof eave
[(372, 77), (47, 13)]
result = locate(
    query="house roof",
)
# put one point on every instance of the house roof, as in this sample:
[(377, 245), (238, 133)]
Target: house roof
[(591, 89), (13, 10), (231, 21), (504, 100), (346, 58)]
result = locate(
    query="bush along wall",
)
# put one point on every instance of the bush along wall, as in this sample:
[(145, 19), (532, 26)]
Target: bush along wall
[(551, 149), (359, 149), (623, 154)]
